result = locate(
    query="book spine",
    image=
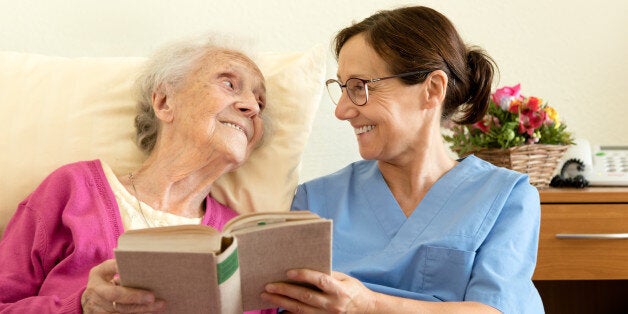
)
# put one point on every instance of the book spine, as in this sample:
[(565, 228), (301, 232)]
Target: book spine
[(229, 284)]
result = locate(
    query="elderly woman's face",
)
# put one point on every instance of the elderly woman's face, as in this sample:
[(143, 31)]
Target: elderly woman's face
[(218, 108)]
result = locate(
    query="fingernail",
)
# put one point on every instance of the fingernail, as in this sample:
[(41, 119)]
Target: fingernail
[(271, 288)]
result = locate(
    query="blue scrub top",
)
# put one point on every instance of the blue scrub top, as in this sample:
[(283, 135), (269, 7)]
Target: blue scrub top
[(473, 237)]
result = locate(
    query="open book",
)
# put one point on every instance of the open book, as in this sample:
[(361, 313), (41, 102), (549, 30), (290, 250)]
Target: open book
[(197, 269)]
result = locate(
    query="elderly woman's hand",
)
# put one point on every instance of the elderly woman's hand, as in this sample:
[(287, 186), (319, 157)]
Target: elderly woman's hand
[(339, 293), (104, 295)]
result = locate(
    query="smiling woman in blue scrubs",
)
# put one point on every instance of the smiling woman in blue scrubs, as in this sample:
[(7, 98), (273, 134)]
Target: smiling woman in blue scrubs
[(414, 229)]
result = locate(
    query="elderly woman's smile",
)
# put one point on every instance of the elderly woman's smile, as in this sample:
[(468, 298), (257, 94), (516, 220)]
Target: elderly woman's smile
[(237, 127)]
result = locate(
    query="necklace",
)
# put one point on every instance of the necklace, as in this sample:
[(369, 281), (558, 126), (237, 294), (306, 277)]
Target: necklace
[(139, 204)]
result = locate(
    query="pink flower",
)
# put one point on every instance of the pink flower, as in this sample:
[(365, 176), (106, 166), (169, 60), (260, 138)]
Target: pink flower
[(532, 140), (481, 126), (505, 95), (530, 120), (485, 124)]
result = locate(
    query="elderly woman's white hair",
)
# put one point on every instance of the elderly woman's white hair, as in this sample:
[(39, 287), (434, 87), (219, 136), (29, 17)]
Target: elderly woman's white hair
[(168, 68)]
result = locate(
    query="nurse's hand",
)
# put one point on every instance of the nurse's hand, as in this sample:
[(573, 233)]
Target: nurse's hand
[(338, 293)]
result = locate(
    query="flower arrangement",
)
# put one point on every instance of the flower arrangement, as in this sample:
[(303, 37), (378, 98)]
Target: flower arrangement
[(512, 119)]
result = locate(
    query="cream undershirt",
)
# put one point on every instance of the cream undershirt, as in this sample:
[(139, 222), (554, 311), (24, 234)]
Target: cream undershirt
[(130, 212)]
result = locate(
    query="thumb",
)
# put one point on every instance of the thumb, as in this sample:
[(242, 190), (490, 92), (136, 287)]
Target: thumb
[(105, 270)]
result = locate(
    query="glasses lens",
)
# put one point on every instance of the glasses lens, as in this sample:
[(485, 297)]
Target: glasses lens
[(356, 89), (334, 90)]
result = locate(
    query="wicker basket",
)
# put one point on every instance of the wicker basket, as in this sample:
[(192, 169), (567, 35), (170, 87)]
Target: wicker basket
[(539, 161)]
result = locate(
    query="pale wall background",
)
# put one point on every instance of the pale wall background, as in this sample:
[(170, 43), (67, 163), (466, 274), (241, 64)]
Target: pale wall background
[(572, 53)]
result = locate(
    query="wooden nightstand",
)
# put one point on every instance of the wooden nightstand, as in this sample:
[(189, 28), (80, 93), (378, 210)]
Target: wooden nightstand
[(582, 264)]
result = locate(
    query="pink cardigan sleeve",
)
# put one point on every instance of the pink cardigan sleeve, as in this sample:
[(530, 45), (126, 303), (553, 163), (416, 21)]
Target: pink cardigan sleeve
[(24, 261), (65, 227)]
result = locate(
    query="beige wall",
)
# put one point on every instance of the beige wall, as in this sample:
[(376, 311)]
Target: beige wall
[(572, 53)]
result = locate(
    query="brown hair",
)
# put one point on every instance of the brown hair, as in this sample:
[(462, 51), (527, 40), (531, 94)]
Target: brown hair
[(421, 39)]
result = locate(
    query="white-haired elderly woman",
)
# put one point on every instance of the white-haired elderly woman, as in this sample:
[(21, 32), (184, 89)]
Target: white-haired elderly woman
[(199, 116)]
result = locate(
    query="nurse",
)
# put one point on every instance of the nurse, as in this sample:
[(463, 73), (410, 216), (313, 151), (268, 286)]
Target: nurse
[(415, 230)]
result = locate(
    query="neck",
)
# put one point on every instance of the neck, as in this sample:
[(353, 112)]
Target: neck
[(410, 181), (175, 187)]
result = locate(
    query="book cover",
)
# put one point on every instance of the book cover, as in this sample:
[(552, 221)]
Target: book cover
[(197, 269)]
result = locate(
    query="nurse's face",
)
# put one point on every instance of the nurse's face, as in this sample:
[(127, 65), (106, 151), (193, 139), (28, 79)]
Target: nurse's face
[(387, 127)]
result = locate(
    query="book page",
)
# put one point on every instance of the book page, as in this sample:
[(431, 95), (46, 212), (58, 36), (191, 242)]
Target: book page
[(263, 218), (183, 238)]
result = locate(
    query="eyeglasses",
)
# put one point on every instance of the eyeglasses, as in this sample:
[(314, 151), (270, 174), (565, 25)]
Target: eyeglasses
[(357, 88)]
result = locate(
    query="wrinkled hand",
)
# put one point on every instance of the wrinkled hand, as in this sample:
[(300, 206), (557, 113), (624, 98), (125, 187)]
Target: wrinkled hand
[(339, 293), (104, 295)]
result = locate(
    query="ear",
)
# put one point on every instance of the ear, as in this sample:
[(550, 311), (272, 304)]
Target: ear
[(435, 88), (163, 108)]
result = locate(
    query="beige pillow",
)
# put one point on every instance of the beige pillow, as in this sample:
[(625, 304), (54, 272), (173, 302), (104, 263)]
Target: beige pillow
[(60, 110)]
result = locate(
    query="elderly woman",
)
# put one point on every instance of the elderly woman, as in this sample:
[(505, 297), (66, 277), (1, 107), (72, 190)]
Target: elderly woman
[(199, 117), (416, 231)]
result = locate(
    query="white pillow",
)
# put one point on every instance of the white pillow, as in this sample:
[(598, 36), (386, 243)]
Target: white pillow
[(60, 110)]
